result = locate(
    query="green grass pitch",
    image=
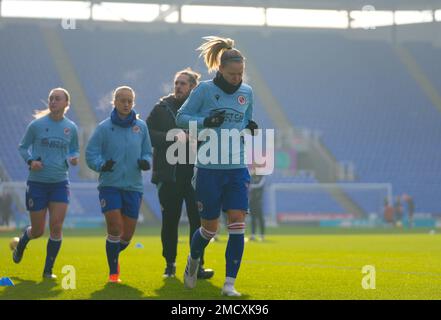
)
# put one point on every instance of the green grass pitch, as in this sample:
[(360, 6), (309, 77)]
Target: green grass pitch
[(293, 263)]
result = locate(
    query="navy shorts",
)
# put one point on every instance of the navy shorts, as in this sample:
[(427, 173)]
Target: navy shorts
[(221, 189), (129, 202), (39, 194)]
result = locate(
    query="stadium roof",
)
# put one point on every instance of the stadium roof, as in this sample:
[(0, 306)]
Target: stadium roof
[(306, 4)]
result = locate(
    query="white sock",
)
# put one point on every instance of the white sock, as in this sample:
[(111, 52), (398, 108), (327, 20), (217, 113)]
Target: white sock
[(229, 281), (194, 263)]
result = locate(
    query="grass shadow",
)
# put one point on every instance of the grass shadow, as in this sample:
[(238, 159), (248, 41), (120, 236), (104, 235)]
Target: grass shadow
[(174, 289), (31, 290), (117, 291)]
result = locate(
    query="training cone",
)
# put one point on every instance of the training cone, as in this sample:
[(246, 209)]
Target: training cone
[(6, 282)]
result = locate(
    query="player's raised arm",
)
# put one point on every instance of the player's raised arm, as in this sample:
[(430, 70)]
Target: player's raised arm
[(26, 142), (191, 108), (74, 148), (94, 157)]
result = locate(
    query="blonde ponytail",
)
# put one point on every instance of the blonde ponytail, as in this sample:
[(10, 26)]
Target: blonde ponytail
[(213, 49), (41, 113)]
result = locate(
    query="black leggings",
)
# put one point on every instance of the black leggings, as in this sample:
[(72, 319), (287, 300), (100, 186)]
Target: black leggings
[(171, 196), (256, 213)]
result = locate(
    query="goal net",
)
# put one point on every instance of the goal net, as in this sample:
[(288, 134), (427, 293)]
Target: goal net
[(319, 202)]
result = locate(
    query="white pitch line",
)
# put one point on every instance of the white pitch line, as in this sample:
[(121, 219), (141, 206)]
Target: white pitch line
[(310, 265)]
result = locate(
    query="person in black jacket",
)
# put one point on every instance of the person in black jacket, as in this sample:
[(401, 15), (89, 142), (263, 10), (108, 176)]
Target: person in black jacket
[(174, 181)]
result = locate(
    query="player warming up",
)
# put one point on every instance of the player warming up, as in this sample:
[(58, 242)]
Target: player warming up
[(222, 103), (49, 145), (174, 181), (119, 150)]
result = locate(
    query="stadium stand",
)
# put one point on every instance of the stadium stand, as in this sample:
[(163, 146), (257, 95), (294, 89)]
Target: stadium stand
[(356, 93)]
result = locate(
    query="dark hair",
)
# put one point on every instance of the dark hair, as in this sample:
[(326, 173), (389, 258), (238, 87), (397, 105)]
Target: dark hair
[(192, 75)]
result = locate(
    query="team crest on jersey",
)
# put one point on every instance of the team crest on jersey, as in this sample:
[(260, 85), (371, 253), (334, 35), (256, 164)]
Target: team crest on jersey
[(200, 206), (66, 131), (241, 99), (103, 203), (136, 129)]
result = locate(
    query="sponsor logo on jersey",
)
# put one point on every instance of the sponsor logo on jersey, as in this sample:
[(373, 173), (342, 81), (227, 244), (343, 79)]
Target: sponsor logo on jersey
[(232, 115), (54, 142)]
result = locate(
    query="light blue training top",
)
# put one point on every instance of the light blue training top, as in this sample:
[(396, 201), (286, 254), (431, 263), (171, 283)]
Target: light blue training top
[(208, 98), (125, 146), (52, 141)]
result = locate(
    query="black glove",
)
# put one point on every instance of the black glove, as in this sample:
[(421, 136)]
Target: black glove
[(215, 120), (107, 167), (252, 126), (30, 161), (143, 165)]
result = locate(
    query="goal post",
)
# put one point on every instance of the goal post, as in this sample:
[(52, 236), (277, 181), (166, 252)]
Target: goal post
[(313, 202), (83, 211)]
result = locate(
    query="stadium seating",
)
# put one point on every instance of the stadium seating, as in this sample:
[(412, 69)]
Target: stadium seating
[(357, 94), (364, 102), (27, 74)]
